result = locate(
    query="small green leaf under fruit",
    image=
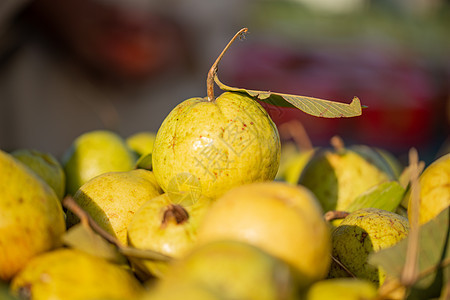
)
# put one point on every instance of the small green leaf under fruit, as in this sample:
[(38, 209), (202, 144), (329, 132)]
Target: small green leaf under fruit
[(433, 258), (144, 162), (387, 196), (83, 238), (312, 106)]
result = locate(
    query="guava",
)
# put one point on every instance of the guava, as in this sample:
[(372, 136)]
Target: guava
[(280, 218), (167, 227), (93, 153), (182, 291), (234, 270), (141, 142), (224, 142), (338, 175), (46, 166), (113, 198), (31, 216), (434, 189), (69, 274), (361, 233), (342, 289)]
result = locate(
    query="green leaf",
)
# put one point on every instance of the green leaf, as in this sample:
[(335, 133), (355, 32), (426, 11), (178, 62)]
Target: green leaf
[(433, 258), (83, 238), (387, 195), (312, 106), (5, 293), (144, 162)]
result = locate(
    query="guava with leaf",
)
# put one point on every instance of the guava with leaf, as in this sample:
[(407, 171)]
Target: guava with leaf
[(230, 140)]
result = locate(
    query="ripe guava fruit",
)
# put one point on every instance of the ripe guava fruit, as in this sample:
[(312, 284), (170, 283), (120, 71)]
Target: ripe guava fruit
[(113, 198), (31, 216)]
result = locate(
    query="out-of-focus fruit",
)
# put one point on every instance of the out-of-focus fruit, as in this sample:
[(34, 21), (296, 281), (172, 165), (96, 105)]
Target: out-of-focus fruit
[(73, 275), (342, 289), (94, 153), (337, 176), (166, 227), (434, 189), (141, 142), (46, 166), (31, 216), (234, 270), (361, 233), (280, 218), (113, 198)]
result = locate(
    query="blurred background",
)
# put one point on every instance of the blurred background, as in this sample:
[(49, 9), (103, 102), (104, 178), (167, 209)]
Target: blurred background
[(67, 67)]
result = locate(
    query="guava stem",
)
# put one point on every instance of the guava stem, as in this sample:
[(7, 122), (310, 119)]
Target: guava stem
[(212, 72)]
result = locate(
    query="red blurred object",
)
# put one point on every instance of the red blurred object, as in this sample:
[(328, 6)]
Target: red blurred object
[(399, 92)]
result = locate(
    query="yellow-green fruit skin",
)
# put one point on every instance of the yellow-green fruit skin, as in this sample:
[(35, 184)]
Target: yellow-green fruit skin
[(31, 216), (113, 198), (342, 289), (141, 142), (224, 143), (434, 189), (234, 270), (338, 177), (151, 228), (69, 274), (94, 153), (46, 166), (363, 232), (280, 218)]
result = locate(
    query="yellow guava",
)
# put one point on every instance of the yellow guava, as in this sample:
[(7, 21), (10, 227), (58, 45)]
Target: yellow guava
[(361, 233), (94, 153), (31, 216), (224, 143), (434, 189), (167, 227), (280, 218), (71, 274), (113, 198)]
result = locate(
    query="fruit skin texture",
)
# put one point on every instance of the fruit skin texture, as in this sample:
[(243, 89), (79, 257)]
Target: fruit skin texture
[(338, 177), (94, 153), (282, 219), (46, 166), (342, 289), (234, 270), (113, 198), (151, 228), (224, 143), (70, 274), (434, 189), (31, 216), (361, 233)]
